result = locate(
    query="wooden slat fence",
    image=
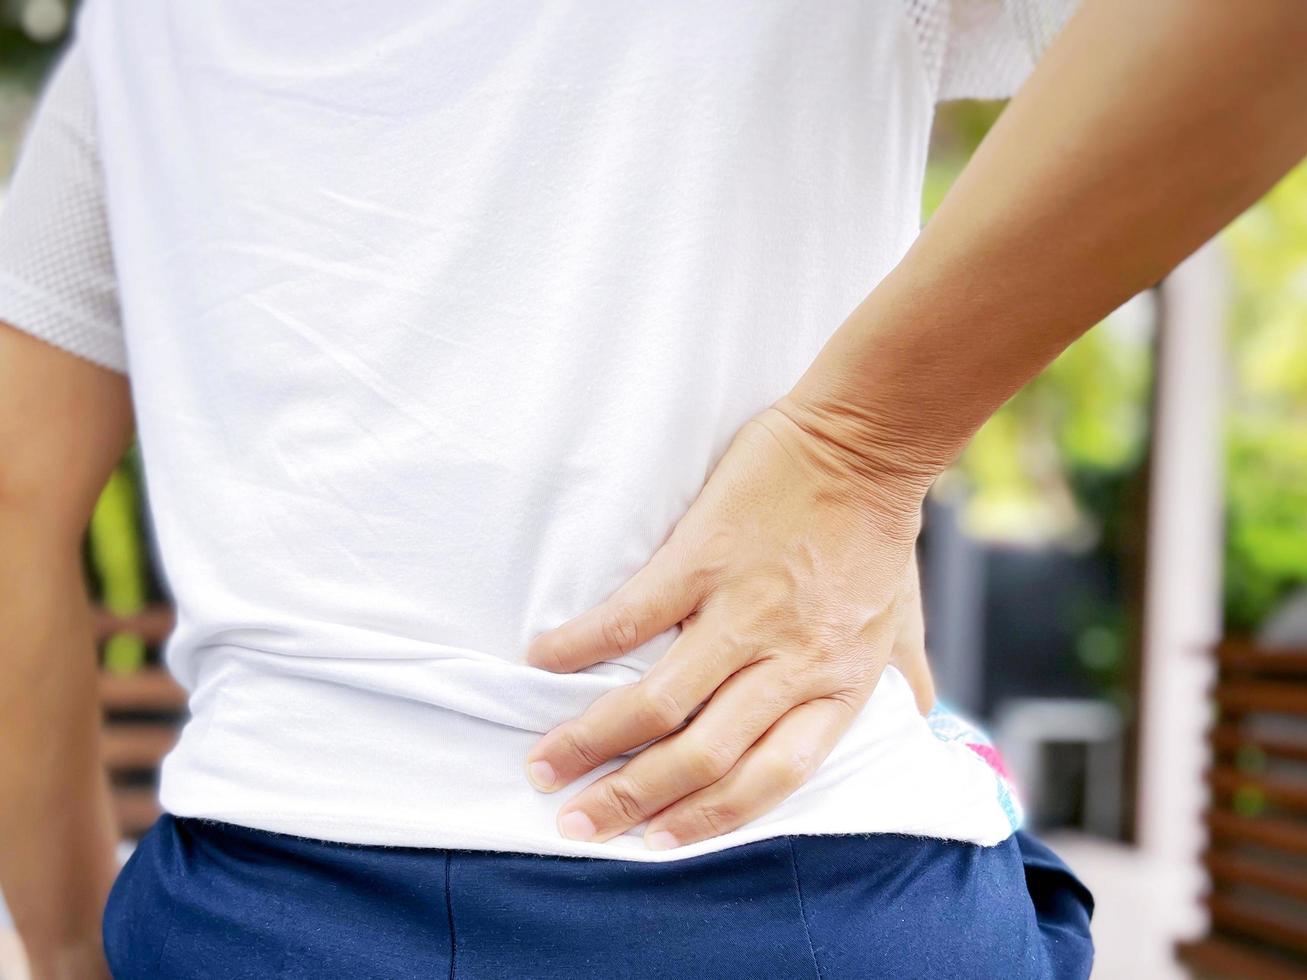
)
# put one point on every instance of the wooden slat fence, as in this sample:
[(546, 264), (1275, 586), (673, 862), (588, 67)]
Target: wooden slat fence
[(1256, 857), (143, 712)]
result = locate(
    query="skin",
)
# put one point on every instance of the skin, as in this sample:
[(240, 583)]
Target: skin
[(1144, 130), (64, 424), (790, 574)]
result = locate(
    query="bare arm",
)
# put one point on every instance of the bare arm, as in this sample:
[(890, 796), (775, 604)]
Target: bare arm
[(1146, 128), (64, 424)]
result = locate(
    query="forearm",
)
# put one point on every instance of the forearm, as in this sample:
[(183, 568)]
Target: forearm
[(1145, 129), (56, 831)]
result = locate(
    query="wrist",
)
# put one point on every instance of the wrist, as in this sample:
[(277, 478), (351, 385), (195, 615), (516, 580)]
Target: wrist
[(883, 491), (884, 454)]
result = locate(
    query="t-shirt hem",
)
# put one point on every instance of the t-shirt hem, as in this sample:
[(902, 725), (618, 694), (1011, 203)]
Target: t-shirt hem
[(350, 831)]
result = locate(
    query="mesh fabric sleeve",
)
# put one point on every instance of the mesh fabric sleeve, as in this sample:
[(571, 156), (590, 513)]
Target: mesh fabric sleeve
[(56, 267), (983, 49)]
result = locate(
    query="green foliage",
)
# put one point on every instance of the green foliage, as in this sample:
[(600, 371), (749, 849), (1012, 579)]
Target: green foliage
[(23, 59), (117, 549), (959, 128), (1086, 416), (1266, 437)]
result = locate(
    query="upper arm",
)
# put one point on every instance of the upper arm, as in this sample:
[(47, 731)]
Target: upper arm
[(64, 424), (65, 403)]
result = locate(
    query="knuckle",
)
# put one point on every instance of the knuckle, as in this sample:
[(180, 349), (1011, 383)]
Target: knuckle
[(708, 762), (713, 554), (701, 578), (823, 674), (575, 744), (547, 655), (720, 817), (620, 629), (846, 699), (784, 693), (788, 771), (660, 709), (620, 797)]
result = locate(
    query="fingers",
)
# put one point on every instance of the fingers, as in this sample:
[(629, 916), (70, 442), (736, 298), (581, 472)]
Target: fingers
[(777, 765), (738, 714), (656, 598), (909, 650), (619, 720)]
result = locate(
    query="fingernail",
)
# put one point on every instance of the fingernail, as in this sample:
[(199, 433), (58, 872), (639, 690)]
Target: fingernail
[(661, 840), (576, 825), (541, 774)]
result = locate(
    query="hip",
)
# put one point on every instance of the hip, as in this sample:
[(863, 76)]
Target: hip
[(206, 899)]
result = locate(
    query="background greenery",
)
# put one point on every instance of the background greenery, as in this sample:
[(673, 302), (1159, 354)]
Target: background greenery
[(1056, 461), (1266, 541)]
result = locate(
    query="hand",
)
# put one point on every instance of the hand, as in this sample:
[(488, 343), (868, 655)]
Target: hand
[(909, 655), (792, 576)]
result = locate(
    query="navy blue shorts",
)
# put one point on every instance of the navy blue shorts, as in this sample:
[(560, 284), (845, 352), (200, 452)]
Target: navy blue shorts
[(205, 899)]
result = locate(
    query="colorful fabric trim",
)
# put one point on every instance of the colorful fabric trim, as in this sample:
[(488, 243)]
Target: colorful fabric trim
[(949, 725)]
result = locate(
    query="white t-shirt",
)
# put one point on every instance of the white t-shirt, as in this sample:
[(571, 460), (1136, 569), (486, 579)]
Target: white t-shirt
[(436, 319)]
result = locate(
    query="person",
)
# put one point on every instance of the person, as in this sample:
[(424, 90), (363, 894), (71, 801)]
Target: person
[(539, 519)]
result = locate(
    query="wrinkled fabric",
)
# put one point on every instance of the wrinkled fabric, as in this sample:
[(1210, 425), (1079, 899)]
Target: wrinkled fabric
[(436, 320)]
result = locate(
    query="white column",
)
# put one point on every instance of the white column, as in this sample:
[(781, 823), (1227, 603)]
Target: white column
[(1182, 610)]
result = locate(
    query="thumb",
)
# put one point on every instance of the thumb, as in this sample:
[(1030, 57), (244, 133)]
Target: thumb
[(654, 599), (909, 652)]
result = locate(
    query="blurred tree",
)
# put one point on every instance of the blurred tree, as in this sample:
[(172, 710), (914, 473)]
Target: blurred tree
[(1035, 472), (29, 34), (118, 558), (1266, 509)]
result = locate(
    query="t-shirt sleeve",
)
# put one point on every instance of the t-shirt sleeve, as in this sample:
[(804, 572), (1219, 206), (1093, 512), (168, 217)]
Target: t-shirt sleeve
[(984, 49), (57, 278)]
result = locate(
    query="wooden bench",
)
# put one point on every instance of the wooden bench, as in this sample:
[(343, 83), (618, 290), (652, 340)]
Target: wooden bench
[(1256, 857), (143, 712)]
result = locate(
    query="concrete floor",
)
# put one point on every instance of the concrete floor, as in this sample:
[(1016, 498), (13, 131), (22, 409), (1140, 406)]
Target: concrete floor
[(1142, 907)]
